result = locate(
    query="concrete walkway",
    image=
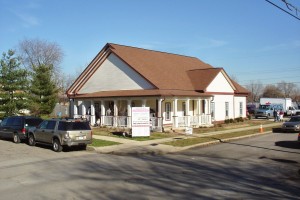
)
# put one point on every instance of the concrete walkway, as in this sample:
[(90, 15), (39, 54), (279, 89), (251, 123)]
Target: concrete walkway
[(132, 147)]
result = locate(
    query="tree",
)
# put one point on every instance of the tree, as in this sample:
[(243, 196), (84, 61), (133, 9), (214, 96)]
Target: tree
[(272, 91), (286, 88), (13, 84), (255, 89), (43, 91), (36, 52)]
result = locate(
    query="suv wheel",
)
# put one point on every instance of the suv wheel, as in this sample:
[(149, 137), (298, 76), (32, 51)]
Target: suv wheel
[(16, 138), (31, 140), (56, 145)]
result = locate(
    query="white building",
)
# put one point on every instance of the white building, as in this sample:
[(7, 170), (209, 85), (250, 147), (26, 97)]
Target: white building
[(181, 91)]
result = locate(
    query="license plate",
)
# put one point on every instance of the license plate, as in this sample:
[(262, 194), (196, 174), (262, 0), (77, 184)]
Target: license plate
[(81, 138)]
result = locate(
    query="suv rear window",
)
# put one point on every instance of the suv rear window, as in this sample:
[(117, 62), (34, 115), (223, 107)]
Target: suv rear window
[(33, 121), (69, 126)]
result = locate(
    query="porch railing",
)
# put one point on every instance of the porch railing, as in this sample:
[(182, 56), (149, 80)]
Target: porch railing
[(197, 120)]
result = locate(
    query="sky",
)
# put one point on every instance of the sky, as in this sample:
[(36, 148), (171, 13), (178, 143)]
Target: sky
[(252, 40)]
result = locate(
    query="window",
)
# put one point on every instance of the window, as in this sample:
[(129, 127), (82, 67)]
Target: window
[(68, 126), (168, 110), (51, 125), (226, 109), (17, 121), (241, 108)]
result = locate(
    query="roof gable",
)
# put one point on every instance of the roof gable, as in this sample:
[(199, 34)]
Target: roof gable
[(114, 74)]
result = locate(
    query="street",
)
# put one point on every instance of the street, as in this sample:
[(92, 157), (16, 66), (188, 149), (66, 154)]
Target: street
[(255, 168)]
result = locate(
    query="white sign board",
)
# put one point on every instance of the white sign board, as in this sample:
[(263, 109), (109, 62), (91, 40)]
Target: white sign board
[(140, 122)]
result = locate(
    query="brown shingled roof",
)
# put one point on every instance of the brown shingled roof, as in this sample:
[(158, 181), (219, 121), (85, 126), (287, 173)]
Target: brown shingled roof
[(164, 70), (171, 74)]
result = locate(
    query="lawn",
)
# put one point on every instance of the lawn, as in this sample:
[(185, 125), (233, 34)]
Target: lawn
[(198, 140), (102, 143)]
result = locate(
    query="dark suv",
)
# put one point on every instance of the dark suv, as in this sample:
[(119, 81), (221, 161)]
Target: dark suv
[(61, 132), (16, 127)]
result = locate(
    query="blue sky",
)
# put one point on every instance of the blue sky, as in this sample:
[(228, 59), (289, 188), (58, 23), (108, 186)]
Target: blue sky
[(251, 39)]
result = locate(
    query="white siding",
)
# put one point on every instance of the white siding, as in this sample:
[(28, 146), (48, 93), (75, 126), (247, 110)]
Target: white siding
[(114, 74), (219, 84), (237, 101), (219, 101)]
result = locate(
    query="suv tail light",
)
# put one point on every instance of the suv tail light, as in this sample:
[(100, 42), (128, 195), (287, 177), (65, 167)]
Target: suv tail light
[(23, 130)]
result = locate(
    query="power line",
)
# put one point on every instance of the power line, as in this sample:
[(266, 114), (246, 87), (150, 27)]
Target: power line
[(288, 6)]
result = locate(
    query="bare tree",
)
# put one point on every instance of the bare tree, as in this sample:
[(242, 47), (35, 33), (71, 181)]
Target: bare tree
[(272, 91), (255, 88), (36, 52), (286, 88)]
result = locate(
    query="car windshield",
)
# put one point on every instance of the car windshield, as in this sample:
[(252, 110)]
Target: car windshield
[(266, 107), (68, 126), (295, 119)]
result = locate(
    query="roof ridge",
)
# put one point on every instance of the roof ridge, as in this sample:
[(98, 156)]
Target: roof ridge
[(164, 52)]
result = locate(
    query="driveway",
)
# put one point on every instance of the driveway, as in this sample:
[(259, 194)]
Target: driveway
[(252, 168)]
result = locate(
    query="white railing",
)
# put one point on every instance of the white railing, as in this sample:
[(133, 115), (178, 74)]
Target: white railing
[(184, 121), (188, 121), (122, 121), (108, 120), (155, 123)]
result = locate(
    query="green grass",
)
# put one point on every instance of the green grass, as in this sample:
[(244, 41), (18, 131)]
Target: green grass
[(102, 143), (198, 140)]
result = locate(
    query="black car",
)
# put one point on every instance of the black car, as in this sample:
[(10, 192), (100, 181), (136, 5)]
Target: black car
[(16, 127)]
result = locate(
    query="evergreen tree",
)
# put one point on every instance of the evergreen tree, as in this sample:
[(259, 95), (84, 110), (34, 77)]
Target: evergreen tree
[(43, 90), (13, 84)]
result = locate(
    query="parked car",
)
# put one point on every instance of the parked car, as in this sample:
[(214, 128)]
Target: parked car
[(292, 125), (60, 133), (299, 137), (16, 127), (251, 108)]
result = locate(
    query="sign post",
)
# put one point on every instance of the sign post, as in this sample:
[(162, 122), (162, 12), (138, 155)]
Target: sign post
[(140, 122)]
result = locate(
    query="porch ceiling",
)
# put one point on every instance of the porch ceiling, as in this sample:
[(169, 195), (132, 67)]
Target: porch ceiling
[(140, 93)]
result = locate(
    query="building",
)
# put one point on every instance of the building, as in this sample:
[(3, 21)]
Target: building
[(181, 91)]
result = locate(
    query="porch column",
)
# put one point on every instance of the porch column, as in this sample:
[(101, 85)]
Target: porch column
[(102, 114), (75, 111), (129, 113), (92, 114), (83, 109), (144, 101), (71, 108), (187, 111), (175, 117), (198, 111), (159, 111), (115, 113)]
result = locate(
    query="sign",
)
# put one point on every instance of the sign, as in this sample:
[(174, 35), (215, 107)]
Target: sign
[(140, 122)]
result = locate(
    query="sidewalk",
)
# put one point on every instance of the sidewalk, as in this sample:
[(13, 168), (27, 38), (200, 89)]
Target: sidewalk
[(153, 147)]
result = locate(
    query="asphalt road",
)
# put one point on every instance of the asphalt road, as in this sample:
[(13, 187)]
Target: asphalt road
[(253, 168)]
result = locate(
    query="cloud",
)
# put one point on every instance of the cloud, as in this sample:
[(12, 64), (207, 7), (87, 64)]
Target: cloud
[(28, 20), (282, 46), (212, 43)]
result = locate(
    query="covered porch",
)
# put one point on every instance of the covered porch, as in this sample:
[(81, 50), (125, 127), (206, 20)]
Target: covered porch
[(164, 112)]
